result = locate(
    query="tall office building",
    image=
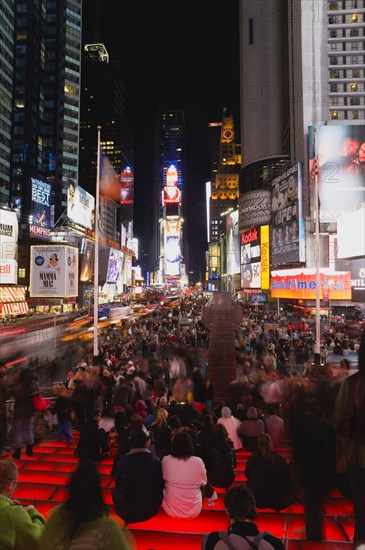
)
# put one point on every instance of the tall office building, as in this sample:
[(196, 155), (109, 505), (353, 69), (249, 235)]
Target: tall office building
[(45, 130), (346, 59), (6, 93), (222, 199), (169, 236)]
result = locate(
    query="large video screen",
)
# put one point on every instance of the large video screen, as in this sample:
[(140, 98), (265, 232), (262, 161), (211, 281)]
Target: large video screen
[(339, 153), (115, 266), (172, 256), (287, 225)]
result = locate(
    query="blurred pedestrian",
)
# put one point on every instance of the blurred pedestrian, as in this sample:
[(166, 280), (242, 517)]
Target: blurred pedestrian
[(23, 423), (350, 425)]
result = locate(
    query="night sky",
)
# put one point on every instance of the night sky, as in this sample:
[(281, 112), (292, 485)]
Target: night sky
[(174, 55)]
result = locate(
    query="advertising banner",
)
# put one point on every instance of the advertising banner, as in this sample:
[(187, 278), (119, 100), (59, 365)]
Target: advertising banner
[(86, 261), (126, 186), (254, 208), (339, 154), (8, 247), (287, 223), (358, 280), (265, 257), (171, 194), (233, 243), (173, 226), (80, 205), (40, 209), (115, 266), (172, 256), (255, 250), (351, 235), (300, 284), (53, 271)]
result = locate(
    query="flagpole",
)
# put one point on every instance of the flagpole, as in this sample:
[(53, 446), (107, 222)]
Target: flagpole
[(317, 348), (96, 253)]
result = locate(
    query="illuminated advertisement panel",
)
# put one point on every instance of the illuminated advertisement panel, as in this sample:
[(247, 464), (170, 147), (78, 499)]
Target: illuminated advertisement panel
[(115, 266), (171, 193), (233, 243), (301, 284), (40, 209), (53, 271), (80, 205), (348, 226), (172, 256), (255, 257), (250, 258), (254, 208), (173, 226), (8, 247), (265, 257), (358, 280), (287, 224), (86, 261), (126, 186), (338, 154)]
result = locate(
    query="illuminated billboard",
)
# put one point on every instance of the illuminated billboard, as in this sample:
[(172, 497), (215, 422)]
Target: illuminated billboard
[(348, 226), (358, 280), (173, 226), (254, 208), (54, 271), (126, 186), (233, 243), (172, 256), (40, 209), (8, 247), (171, 194), (300, 284), (335, 153), (287, 224), (80, 205), (255, 259), (115, 266), (86, 261)]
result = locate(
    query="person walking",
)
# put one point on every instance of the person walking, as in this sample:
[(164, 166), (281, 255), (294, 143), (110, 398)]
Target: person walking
[(23, 423)]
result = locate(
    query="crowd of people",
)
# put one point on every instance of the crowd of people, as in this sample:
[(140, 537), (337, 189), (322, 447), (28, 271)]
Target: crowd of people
[(148, 402)]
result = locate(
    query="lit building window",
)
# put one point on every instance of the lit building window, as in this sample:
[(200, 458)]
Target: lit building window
[(334, 115)]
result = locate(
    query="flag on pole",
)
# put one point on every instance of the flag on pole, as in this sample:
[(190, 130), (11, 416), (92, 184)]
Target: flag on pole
[(109, 180)]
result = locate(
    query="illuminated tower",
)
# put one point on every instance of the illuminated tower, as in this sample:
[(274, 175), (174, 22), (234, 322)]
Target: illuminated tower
[(224, 193), (168, 238)]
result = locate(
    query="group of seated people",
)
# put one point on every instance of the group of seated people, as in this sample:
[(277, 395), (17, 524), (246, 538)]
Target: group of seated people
[(178, 460), (82, 521)]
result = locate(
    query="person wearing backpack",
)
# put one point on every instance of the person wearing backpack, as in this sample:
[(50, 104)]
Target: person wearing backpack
[(242, 534)]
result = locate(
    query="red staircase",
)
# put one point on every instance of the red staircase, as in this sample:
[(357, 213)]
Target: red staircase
[(44, 478)]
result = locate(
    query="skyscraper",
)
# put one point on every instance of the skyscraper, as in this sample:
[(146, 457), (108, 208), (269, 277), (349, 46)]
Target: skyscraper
[(224, 194), (46, 99), (6, 92), (168, 238), (346, 59)]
